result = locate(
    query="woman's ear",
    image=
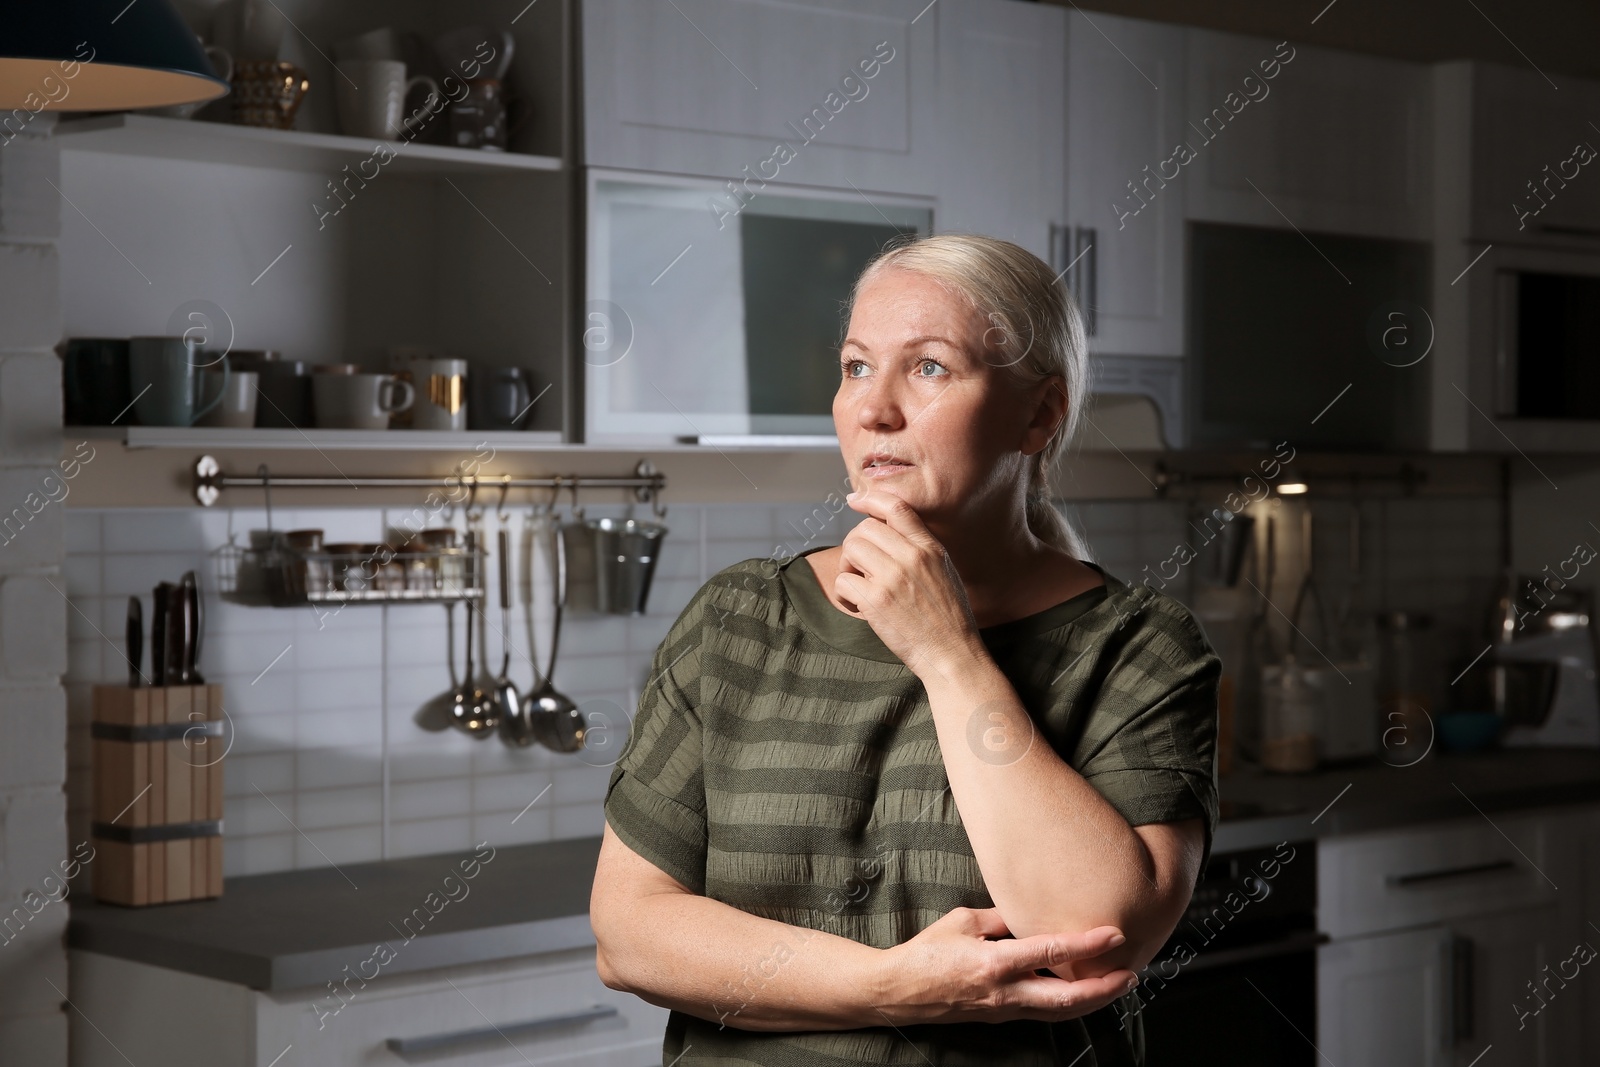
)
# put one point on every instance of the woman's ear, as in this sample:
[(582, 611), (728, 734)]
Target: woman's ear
[(1049, 400)]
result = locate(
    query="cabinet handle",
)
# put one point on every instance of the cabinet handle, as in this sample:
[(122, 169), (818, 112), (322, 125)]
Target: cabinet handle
[(435, 1042), (1422, 878), (1459, 1022), (1086, 282)]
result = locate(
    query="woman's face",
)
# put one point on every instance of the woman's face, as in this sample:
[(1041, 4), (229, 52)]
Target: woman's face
[(918, 382)]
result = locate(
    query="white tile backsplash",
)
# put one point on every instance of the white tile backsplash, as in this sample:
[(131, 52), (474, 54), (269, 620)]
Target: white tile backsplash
[(327, 764)]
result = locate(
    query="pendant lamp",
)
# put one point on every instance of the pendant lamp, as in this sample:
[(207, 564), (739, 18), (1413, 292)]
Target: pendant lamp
[(100, 55)]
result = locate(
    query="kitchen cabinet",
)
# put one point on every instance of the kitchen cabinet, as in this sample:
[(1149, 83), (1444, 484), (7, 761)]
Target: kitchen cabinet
[(332, 248), (1002, 120), (1437, 930), (1333, 142), (1126, 88), (1517, 155), (713, 88), (542, 1009)]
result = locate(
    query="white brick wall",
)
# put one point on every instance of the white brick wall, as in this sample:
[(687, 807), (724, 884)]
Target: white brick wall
[(33, 615)]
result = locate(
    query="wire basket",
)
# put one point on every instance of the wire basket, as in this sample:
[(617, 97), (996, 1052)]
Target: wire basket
[(277, 575)]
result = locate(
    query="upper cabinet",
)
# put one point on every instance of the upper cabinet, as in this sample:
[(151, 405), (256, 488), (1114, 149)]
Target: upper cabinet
[(1518, 143), (1002, 120), (1123, 238), (836, 93), (1321, 140)]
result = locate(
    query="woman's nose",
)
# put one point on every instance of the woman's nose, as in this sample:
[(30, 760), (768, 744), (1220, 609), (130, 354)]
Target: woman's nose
[(879, 406)]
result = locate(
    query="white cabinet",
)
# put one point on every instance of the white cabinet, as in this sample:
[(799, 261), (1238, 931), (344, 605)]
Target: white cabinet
[(837, 93), (1438, 931), (1002, 123), (1333, 142), (544, 1009), (1516, 156), (1124, 233), (1380, 1000)]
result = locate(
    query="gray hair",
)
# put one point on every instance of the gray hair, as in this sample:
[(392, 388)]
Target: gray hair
[(1035, 327)]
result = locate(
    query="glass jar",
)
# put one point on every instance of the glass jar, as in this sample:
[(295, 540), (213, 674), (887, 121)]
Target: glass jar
[(1409, 676), (1288, 719)]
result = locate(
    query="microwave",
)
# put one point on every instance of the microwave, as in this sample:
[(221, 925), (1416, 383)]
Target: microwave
[(1533, 343), (713, 308)]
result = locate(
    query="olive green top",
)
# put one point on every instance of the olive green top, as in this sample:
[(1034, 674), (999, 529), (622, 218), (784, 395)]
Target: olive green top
[(784, 761)]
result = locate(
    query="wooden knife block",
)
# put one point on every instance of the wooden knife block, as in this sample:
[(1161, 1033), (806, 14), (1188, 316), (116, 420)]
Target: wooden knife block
[(157, 812)]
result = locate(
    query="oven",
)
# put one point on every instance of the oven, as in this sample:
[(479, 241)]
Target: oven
[(1236, 983)]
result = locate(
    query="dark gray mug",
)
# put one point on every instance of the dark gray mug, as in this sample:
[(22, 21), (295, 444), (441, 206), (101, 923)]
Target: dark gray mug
[(498, 398), (164, 375)]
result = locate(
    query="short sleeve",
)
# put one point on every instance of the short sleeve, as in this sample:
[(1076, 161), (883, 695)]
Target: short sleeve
[(1149, 745), (655, 801)]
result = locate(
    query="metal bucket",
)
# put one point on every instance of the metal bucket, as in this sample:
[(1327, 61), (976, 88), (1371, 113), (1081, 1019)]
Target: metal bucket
[(625, 552)]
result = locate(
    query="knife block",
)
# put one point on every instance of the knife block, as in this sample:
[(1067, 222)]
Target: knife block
[(157, 810)]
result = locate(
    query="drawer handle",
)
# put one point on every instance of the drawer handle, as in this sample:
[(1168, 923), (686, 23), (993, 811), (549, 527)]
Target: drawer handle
[(434, 1042), (1409, 881)]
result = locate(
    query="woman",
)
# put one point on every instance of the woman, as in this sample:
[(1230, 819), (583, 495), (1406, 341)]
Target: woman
[(931, 795)]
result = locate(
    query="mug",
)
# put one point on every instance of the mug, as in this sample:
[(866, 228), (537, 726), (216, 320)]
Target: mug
[(385, 42), (499, 398), (441, 393), (238, 407), (372, 97), (94, 380), (283, 388), (358, 401), (164, 374)]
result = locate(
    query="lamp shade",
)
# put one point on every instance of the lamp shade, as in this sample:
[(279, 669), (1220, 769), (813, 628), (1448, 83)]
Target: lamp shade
[(100, 55)]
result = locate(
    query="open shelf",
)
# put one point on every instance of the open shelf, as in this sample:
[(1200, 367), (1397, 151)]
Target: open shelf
[(205, 437), (219, 142)]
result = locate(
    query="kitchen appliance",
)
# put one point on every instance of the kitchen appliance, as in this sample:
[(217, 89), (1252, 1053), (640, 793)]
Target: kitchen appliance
[(1562, 708), (1236, 983), (713, 307)]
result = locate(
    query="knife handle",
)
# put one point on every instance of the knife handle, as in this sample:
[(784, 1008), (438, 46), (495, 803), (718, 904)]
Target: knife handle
[(158, 633), (135, 636)]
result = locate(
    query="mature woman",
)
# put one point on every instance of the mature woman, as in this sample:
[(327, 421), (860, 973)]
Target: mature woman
[(931, 795)]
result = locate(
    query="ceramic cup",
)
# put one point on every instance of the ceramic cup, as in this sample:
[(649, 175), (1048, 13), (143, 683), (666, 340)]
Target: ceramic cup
[(94, 380), (358, 401), (164, 375), (441, 393), (372, 97), (499, 398), (238, 407)]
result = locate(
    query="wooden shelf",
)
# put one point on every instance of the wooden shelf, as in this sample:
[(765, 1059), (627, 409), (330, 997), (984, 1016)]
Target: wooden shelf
[(219, 142)]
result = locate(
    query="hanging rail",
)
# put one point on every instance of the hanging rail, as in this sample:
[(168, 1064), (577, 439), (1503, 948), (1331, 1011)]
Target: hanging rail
[(210, 480)]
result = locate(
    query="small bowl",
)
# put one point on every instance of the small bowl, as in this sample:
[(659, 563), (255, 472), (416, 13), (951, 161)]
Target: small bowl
[(1468, 731)]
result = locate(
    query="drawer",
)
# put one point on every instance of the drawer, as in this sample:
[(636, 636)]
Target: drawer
[(1367, 883), (550, 1010)]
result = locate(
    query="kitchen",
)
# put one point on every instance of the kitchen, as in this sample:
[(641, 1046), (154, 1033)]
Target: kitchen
[(288, 365)]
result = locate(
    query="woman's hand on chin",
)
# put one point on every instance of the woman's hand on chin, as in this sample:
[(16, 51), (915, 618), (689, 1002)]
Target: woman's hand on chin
[(895, 574), (956, 971)]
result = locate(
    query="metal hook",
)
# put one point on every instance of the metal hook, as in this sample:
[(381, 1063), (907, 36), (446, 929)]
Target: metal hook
[(500, 508), (266, 492), (472, 497), (577, 509), (555, 494)]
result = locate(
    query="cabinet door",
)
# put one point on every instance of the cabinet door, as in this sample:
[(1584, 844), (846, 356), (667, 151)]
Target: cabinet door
[(1500, 961), (1333, 142), (1381, 1001), (1002, 101), (755, 91), (1125, 104)]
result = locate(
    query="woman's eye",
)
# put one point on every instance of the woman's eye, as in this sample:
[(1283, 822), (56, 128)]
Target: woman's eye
[(931, 363), (849, 365)]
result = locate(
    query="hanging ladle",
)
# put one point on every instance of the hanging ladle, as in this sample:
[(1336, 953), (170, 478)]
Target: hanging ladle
[(507, 700), (555, 719), (475, 709)]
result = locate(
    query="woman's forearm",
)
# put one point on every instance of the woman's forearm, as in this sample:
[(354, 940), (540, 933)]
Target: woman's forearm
[(710, 960)]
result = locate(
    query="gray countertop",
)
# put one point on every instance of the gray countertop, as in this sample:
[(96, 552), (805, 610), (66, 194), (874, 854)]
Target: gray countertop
[(300, 928)]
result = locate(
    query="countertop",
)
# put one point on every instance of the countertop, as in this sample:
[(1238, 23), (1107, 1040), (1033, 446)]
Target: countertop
[(300, 928)]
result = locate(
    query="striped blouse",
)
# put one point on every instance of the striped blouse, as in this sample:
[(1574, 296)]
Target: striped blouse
[(784, 761)]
